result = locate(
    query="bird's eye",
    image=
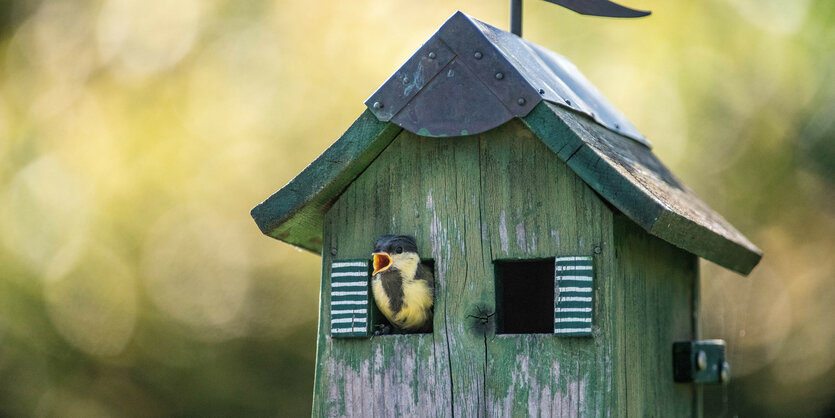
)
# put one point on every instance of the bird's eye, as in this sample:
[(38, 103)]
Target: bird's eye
[(399, 250)]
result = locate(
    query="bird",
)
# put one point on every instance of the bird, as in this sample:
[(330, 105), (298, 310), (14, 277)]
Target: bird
[(403, 288)]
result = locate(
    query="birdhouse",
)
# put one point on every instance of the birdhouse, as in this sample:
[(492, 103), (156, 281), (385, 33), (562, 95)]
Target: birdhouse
[(564, 253)]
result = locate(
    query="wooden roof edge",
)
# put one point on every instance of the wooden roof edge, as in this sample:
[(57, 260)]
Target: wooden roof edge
[(568, 136), (294, 213)]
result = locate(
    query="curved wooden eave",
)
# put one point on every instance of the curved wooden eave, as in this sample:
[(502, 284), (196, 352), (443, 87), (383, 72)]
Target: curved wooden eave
[(624, 172), (295, 212)]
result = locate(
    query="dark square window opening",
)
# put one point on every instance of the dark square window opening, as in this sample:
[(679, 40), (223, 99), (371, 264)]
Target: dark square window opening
[(379, 320), (524, 296)]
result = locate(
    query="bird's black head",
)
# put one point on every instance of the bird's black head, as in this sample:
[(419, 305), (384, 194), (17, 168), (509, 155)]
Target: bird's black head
[(395, 244)]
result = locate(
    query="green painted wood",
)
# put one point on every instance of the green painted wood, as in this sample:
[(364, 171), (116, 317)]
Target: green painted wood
[(428, 188), (294, 214), (659, 282), (536, 207), (632, 179), (351, 298), (502, 195), (573, 294), (623, 172)]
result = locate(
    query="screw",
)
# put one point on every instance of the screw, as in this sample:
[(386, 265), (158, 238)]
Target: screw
[(521, 101), (499, 76), (333, 251), (541, 91), (377, 105), (701, 360), (432, 55), (617, 126), (593, 116), (725, 374), (597, 249), (478, 55), (568, 102)]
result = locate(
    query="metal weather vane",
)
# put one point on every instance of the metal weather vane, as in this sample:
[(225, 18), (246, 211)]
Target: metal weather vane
[(604, 8)]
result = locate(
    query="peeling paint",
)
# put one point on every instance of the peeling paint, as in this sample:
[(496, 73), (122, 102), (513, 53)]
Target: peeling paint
[(520, 236), (503, 232)]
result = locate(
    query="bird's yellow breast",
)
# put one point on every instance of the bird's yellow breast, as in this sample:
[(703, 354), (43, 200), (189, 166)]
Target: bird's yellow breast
[(417, 300), (381, 298), (417, 295)]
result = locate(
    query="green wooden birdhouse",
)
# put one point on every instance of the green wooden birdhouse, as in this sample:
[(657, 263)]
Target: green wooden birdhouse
[(565, 255)]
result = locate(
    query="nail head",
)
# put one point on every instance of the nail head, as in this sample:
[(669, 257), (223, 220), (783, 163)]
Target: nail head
[(701, 360), (725, 373)]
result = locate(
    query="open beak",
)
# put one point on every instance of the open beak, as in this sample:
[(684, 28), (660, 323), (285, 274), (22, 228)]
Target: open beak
[(382, 262)]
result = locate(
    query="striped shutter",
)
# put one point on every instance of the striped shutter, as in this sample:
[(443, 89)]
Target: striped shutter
[(573, 290), (349, 298)]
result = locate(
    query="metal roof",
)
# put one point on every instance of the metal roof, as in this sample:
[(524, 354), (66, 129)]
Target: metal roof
[(452, 87), (470, 77)]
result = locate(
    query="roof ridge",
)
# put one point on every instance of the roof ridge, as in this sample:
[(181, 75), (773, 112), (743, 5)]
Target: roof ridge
[(519, 73)]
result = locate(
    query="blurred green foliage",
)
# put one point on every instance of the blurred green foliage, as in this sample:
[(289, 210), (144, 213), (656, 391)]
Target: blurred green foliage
[(136, 135)]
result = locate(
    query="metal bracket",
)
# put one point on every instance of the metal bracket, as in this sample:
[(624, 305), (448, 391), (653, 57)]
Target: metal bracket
[(700, 362)]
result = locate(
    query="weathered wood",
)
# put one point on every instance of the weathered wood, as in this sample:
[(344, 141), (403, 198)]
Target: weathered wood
[(502, 195), (623, 172), (536, 207), (428, 188), (659, 282), (294, 214), (632, 179)]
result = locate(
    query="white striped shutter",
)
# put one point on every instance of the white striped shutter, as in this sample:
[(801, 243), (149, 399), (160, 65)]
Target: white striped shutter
[(573, 293), (349, 298)]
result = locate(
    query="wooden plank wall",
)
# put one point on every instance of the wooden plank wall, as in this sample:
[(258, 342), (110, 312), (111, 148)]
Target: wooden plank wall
[(503, 195)]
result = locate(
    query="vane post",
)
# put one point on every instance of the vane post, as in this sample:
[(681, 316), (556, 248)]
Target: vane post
[(516, 17)]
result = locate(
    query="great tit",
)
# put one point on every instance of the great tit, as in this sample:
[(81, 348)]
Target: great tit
[(403, 288)]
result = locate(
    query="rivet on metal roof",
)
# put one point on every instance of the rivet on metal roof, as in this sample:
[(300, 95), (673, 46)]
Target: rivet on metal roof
[(477, 55), (521, 101), (432, 55), (377, 105), (499, 76)]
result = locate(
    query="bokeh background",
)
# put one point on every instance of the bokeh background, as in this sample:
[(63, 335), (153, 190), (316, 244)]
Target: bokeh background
[(135, 136)]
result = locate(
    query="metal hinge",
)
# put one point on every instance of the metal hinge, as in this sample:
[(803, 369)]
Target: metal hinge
[(700, 362)]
